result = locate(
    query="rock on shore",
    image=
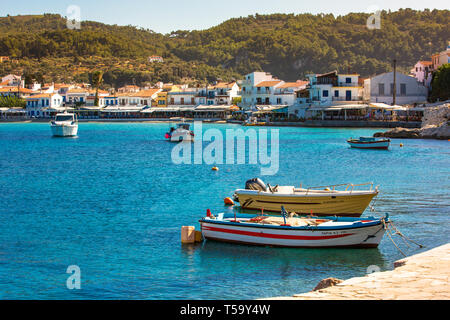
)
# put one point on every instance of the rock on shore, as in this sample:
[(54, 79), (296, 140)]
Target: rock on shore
[(435, 125)]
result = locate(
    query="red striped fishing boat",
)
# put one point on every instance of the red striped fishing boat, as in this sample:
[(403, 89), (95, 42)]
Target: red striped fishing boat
[(369, 143), (297, 232)]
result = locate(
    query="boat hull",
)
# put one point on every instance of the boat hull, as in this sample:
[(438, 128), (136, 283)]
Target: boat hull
[(360, 237), (341, 205), (383, 145), (64, 130), (179, 136)]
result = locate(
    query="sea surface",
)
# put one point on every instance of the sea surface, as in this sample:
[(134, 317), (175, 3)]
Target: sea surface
[(112, 202)]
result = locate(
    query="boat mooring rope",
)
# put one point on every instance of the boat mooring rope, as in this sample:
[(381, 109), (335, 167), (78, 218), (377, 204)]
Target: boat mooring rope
[(391, 230)]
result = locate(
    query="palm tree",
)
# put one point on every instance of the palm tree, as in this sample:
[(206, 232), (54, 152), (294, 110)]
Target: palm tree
[(97, 79)]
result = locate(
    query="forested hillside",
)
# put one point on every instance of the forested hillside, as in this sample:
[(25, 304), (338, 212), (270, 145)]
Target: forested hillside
[(289, 46)]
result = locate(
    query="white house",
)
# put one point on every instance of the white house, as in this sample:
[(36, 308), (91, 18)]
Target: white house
[(422, 71), (183, 98), (222, 93), (441, 58), (381, 89), (257, 89), (40, 104)]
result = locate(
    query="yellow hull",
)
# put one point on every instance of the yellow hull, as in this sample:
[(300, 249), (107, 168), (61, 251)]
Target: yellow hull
[(340, 205)]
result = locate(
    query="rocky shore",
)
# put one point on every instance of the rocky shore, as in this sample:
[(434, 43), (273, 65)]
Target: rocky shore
[(424, 276), (435, 125)]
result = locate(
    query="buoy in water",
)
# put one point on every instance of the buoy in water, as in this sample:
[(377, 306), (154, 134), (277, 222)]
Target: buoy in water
[(215, 169), (401, 145), (228, 201)]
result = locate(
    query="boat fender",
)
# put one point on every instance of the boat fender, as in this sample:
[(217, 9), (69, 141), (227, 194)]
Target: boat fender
[(228, 202)]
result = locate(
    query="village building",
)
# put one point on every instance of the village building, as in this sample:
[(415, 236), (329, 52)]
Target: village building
[(152, 59), (440, 58), (422, 71), (42, 105), (408, 90)]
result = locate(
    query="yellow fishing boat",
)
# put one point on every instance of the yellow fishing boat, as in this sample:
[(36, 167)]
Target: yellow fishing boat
[(319, 201)]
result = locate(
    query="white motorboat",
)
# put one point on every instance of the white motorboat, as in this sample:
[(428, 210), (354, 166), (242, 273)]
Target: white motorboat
[(182, 132), (65, 125)]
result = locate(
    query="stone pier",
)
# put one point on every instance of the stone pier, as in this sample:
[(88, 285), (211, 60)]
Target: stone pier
[(424, 276)]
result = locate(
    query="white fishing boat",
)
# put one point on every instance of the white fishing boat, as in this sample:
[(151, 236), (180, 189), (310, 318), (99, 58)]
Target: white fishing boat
[(182, 132), (341, 200), (289, 231), (369, 143), (65, 125)]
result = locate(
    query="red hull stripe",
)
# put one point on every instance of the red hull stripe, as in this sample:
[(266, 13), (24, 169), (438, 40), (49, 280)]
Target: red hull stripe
[(274, 236)]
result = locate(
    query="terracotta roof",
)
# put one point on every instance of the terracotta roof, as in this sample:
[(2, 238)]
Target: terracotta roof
[(268, 83), (76, 90), (293, 84), (43, 95), (426, 63), (14, 89), (145, 93), (224, 85)]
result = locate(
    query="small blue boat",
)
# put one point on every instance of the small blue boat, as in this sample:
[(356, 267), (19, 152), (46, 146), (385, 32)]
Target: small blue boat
[(369, 143)]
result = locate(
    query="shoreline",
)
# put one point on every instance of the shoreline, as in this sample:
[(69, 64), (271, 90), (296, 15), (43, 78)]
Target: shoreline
[(424, 276), (307, 124)]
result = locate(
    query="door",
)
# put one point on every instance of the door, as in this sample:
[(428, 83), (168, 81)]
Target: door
[(348, 95)]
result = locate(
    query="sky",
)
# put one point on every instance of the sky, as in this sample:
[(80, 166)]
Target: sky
[(172, 15)]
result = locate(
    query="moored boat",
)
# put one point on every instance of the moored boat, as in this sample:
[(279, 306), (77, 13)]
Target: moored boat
[(65, 125), (369, 143), (181, 132), (301, 232), (321, 201)]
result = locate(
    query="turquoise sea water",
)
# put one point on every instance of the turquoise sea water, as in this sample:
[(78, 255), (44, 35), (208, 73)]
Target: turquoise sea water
[(112, 202)]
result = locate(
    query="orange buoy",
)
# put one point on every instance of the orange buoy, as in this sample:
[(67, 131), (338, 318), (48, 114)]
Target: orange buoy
[(228, 201), (215, 169)]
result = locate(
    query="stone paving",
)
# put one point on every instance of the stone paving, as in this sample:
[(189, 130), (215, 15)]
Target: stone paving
[(424, 276)]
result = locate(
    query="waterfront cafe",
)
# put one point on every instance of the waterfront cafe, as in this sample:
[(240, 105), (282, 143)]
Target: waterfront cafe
[(50, 112), (161, 112), (384, 112), (89, 112), (341, 112), (271, 113), (13, 114), (214, 111), (122, 112)]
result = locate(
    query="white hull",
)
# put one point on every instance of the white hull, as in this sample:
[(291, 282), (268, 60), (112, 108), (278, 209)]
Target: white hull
[(181, 135), (365, 237), (64, 130)]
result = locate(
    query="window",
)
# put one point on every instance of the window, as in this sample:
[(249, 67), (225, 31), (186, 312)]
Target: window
[(325, 93), (336, 93), (403, 89), (381, 89), (348, 80), (278, 100), (392, 88), (182, 100)]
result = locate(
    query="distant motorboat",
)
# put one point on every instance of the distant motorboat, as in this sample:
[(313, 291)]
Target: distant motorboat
[(369, 143), (65, 125), (182, 132)]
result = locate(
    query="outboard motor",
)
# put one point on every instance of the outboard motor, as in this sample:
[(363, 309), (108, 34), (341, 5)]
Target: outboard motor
[(255, 184)]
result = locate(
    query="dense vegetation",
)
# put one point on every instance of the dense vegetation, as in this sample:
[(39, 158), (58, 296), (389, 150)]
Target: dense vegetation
[(441, 84), (289, 46), (11, 102)]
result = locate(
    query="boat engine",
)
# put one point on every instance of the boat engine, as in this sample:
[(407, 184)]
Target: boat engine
[(255, 184)]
